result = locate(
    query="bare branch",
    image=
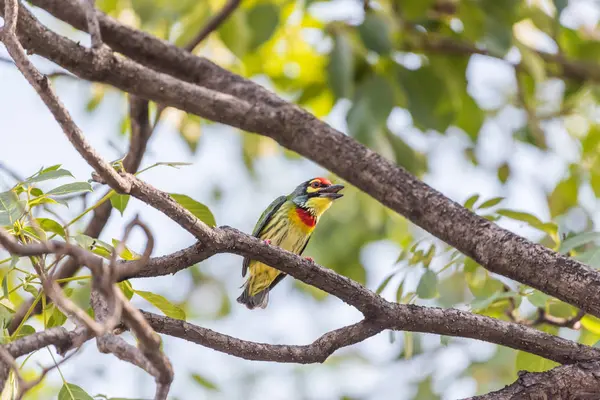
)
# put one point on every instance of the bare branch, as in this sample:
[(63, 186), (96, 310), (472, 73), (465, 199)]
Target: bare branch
[(213, 24), (316, 352), (59, 337), (135, 266), (149, 343), (92, 23), (110, 343)]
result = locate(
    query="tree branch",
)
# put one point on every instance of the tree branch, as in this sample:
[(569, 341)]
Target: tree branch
[(42, 86), (381, 313), (579, 381), (92, 23), (316, 352)]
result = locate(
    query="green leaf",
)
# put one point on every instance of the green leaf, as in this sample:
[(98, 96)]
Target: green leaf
[(532, 220), (482, 304), (578, 240), (96, 246), (50, 225), (533, 62), (56, 319), (375, 33), (412, 9), (204, 382), (37, 192), (5, 286), (70, 391), (538, 299), (372, 104), (127, 289), (591, 323), (236, 34), (563, 197), (48, 174), (490, 203), (532, 363), (75, 187), (120, 201), (590, 257), (503, 172), (11, 208), (385, 282), (470, 202), (427, 288), (126, 254), (427, 98), (164, 305), (201, 212), (25, 330), (31, 290), (469, 116), (46, 200), (498, 21), (263, 20), (340, 69)]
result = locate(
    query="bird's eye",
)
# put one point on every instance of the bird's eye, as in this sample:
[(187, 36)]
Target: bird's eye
[(315, 184)]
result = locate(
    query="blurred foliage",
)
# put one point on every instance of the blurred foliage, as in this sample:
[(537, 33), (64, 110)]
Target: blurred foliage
[(400, 55)]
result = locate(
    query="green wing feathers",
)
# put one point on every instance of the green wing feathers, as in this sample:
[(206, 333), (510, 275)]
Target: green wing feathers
[(262, 222)]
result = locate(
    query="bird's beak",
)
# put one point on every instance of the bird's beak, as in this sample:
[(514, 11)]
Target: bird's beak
[(331, 191)]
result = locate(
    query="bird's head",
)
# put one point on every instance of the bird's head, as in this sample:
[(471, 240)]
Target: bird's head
[(316, 194)]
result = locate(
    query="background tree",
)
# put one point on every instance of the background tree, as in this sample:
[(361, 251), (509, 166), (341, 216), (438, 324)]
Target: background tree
[(491, 103)]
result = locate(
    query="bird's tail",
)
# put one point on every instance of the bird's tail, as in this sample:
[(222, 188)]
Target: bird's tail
[(260, 299)]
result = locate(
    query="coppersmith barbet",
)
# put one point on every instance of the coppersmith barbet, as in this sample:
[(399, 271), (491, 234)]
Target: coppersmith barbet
[(288, 222)]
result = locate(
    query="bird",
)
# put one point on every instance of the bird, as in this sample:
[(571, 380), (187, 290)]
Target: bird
[(288, 222)]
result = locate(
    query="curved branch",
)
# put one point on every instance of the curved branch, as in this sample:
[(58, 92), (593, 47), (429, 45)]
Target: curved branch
[(316, 352)]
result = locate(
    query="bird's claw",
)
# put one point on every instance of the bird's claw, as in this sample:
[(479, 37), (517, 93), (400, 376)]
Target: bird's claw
[(267, 241), (310, 259)]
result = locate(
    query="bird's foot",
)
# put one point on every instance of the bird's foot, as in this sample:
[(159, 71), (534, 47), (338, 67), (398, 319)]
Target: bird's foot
[(267, 241), (310, 259)]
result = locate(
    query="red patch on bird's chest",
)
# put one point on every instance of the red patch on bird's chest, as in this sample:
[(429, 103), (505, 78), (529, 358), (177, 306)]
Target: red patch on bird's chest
[(306, 217)]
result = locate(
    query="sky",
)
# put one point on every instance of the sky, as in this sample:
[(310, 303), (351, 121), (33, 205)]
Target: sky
[(33, 139)]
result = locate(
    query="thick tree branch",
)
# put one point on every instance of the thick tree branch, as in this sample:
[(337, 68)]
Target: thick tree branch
[(579, 381), (397, 317)]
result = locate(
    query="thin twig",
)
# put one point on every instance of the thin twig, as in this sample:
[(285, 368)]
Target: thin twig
[(93, 25)]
